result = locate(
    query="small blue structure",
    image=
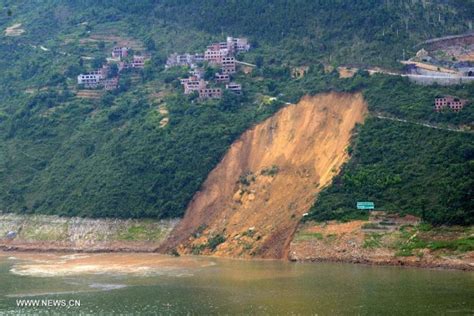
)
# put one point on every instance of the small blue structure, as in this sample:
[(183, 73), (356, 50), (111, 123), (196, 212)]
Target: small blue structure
[(11, 235), (365, 205)]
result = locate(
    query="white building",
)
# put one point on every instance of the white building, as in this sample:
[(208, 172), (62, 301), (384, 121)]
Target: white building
[(89, 80), (237, 45), (234, 87), (138, 62), (120, 52), (184, 60)]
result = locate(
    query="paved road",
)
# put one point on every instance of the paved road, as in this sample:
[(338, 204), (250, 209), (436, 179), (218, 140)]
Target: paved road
[(458, 130), (244, 63)]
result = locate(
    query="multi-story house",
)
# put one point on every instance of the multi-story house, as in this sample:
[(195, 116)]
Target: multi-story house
[(120, 52), (111, 84), (184, 60), (228, 65), (89, 80), (220, 78), (214, 53), (210, 93), (197, 72), (451, 102), (234, 87), (138, 62), (192, 84), (237, 45)]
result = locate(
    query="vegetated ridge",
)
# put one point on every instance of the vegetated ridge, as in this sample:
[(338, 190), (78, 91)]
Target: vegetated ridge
[(252, 202)]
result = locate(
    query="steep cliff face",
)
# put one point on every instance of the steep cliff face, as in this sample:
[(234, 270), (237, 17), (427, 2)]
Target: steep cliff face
[(251, 203)]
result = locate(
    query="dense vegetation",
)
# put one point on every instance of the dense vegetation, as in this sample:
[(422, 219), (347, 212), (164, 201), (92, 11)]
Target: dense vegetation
[(405, 168), (304, 31), (109, 157)]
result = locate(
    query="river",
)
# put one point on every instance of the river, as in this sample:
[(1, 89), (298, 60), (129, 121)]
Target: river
[(152, 283)]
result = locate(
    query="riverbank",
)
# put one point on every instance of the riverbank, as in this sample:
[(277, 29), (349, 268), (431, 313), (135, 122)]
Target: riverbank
[(352, 242), (361, 242), (45, 233)]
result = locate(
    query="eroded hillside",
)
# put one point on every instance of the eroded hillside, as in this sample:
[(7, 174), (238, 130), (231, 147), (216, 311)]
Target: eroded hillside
[(54, 233), (251, 203)]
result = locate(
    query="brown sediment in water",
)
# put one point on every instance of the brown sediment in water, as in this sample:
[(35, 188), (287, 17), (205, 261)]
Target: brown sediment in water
[(268, 179), (56, 264)]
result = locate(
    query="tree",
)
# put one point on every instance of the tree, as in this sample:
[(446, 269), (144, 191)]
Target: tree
[(97, 62), (209, 73), (73, 70), (150, 44), (259, 61), (113, 70)]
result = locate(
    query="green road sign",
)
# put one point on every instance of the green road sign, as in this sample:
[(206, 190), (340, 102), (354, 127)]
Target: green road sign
[(365, 205)]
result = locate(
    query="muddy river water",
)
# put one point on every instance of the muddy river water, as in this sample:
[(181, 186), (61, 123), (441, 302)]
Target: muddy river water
[(151, 283)]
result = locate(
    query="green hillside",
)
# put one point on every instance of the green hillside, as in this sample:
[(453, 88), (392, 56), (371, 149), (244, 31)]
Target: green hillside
[(108, 156), (357, 32)]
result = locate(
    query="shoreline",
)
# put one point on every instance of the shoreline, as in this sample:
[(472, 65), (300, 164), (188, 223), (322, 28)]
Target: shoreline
[(396, 262), (350, 242), (389, 262), (312, 242), (66, 249)]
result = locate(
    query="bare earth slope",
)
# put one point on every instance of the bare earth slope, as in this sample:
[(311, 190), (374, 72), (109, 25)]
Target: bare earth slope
[(255, 197)]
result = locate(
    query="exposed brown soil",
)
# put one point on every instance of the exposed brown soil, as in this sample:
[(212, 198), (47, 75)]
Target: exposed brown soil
[(455, 52), (460, 48), (247, 69), (89, 94), (115, 39), (346, 72), (466, 57), (299, 72), (349, 242), (449, 41), (268, 179)]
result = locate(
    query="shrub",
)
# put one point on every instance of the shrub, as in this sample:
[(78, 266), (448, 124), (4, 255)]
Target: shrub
[(215, 241), (270, 171), (372, 241), (371, 226)]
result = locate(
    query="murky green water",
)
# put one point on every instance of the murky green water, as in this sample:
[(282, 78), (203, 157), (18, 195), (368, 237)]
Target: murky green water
[(146, 284)]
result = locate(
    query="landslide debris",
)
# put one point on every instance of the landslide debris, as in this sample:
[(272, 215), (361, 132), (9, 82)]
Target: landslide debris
[(251, 203)]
